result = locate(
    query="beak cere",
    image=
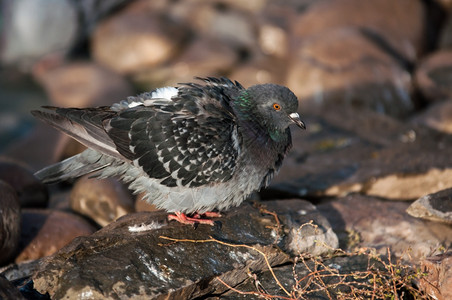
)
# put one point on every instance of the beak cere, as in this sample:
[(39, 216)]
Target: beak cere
[(295, 117)]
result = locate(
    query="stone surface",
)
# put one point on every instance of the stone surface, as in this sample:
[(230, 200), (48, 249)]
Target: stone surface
[(434, 76), (147, 263), (9, 222), (31, 192), (326, 71), (342, 153), (396, 27), (45, 231), (136, 38), (82, 84), (438, 116), (434, 207), (438, 282), (101, 200), (8, 290), (363, 221)]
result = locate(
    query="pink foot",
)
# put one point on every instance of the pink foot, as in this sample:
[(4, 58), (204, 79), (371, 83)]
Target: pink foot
[(196, 219)]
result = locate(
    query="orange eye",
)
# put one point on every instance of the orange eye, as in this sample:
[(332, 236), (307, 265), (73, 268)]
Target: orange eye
[(276, 106)]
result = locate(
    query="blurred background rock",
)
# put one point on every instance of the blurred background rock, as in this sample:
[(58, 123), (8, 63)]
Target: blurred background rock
[(390, 57)]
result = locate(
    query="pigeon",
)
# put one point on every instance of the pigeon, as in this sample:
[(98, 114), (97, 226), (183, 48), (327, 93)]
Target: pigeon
[(191, 149)]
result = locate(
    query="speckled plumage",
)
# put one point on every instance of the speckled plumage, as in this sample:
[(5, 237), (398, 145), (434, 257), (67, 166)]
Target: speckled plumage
[(193, 148)]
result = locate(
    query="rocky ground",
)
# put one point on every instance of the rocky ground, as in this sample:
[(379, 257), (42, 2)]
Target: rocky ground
[(362, 207)]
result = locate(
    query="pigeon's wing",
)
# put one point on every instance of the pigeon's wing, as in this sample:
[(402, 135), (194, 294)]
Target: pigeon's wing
[(177, 143), (85, 125)]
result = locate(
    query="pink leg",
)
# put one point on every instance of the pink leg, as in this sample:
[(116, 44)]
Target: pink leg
[(196, 219)]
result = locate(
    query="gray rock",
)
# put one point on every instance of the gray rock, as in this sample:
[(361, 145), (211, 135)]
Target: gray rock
[(136, 256), (434, 207)]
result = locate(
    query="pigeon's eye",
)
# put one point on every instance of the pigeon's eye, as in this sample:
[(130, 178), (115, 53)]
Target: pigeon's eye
[(276, 106)]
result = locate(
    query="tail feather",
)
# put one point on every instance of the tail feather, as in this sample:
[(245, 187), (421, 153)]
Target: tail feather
[(71, 167)]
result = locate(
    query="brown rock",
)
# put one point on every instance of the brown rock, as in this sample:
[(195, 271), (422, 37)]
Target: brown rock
[(434, 207), (363, 221), (9, 222), (434, 76), (262, 69), (445, 39), (202, 57), (387, 24), (102, 200), (142, 205), (31, 192), (438, 282), (342, 67), (136, 38), (46, 231), (437, 116), (83, 84)]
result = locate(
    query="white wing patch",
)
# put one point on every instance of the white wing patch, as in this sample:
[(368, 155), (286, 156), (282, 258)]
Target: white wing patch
[(165, 92)]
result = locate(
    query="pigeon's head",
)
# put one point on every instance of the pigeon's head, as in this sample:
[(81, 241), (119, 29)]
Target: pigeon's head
[(270, 105)]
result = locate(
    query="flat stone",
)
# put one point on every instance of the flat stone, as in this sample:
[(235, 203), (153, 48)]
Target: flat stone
[(142, 255), (434, 207), (437, 116), (438, 281), (9, 222), (101, 200), (331, 159), (363, 221)]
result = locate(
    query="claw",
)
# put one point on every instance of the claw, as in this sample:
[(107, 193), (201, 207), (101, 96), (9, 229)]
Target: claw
[(195, 219)]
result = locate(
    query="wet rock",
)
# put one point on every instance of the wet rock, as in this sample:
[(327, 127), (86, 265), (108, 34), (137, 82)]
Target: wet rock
[(343, 67), (147, 262), (438, 116), (101, 200), (8, 290), (434, 207), (363, 221), (405, 163), (82, 84), (31, 192), (438, 282), (9, 222), (46, 231), (434, 76), (137, 38)]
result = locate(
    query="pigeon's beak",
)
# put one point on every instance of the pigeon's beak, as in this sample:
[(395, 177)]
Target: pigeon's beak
[(295, 117)]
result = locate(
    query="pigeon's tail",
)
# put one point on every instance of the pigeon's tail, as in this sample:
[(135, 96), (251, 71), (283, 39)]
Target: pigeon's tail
[(71, 167)]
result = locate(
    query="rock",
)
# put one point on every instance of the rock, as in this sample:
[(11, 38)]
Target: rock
[(46, 231), (434, 207), (31, 192), (9, 222), (8, 290), (148, 263), (32, 29), (438, 116), (15, 272), (405, 163), (141, 205), (438, 282), (202, 56), (101, 200), (273, 40), (445, 39), (82, 84), (364, 221), (137, 38), (342, 67), (434, 76), (397, 28), (261, 69)]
